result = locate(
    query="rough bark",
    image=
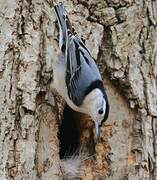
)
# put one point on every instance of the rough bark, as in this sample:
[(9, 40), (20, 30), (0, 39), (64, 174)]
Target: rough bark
[(28, 143), (122, 37)]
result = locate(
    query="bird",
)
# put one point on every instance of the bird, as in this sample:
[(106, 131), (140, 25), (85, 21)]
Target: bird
[(76, 76)]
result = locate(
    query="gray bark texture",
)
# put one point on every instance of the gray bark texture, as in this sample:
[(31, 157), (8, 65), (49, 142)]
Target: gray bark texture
[(122, 37)]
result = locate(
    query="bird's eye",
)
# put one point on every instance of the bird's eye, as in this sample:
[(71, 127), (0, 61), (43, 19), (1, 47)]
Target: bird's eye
[(101, 111)]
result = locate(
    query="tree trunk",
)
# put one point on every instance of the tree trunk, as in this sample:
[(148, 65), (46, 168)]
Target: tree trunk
[(122, 37), (28, 137)]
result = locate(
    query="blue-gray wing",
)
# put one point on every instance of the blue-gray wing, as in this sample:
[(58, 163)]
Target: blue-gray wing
[(81, 69)]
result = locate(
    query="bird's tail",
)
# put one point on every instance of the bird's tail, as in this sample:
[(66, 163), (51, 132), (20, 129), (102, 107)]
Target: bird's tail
[(64, 24)]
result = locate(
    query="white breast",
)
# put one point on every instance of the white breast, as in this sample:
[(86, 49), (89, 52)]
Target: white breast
[(60, 85)]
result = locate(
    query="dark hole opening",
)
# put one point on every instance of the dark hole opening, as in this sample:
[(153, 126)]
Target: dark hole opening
[(69, 133)]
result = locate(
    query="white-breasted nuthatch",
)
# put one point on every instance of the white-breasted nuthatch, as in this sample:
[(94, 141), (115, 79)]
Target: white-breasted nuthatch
[(76, 76)]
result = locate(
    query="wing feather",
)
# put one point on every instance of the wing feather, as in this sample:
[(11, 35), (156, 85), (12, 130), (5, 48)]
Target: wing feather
[(83, 69)]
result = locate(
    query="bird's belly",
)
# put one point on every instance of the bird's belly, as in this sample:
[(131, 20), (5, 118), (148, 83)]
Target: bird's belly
[(59, 79), (60, 85)]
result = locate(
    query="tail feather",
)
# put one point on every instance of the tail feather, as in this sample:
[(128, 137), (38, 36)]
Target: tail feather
[(65, 27)]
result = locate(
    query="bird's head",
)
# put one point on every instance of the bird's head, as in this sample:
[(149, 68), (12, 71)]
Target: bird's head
[(98, 108)]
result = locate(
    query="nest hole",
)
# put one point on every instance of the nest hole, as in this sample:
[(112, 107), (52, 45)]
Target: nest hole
[(72, 134), (69, 133)]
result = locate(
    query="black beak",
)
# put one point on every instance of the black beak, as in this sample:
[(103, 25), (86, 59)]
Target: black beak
[(97, 129)]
